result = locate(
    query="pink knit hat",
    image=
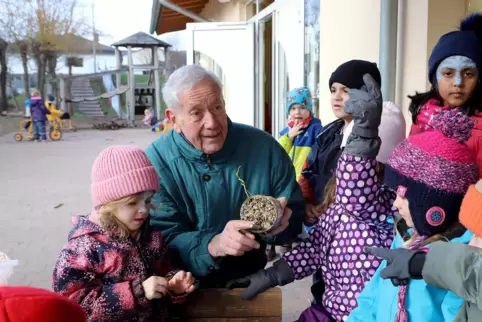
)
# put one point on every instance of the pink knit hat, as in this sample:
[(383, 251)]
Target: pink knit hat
[(119, 172), (434, 170)]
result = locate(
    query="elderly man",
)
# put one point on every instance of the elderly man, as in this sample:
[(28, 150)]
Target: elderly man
[(198, 206)]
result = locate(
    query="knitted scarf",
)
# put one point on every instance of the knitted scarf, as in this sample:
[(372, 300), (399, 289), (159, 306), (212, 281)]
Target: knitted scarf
[(402, 314), (427, 112)]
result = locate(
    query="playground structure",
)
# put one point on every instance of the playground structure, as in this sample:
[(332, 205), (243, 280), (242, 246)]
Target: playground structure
[(131, 90)]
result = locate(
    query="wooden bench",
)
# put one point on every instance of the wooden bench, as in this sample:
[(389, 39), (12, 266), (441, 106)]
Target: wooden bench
[(223, 305)]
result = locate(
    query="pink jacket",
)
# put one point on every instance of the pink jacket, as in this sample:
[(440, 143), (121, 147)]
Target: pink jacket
[(104, 274)]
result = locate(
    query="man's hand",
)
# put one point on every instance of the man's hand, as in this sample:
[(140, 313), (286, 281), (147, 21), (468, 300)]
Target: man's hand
[(295, 130), (181, 282), (233, 240), (285, 219)]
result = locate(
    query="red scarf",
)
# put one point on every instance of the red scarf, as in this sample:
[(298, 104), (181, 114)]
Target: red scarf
[(305, 122), (402, 314)]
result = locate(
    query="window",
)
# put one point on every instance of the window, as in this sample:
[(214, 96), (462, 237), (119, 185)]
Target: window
[(312, 49)]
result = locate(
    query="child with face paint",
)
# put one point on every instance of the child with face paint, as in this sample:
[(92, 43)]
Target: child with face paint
[(430, 172), (454, 70), (114, 265)]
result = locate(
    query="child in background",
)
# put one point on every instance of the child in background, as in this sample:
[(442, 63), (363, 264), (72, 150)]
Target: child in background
[(454, 70), (27, 108), (298, 137), (358, 216), (38, 112), (431, 173), (114, 265), (55, 114), (322, 161), (303, 127), (147, 117), (454, 267)]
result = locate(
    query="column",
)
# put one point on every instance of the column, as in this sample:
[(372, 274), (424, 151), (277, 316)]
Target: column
[(157, 81), (131, 100)]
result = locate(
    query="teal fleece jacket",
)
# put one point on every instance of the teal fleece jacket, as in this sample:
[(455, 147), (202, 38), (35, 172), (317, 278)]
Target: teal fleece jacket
[(200, 193)]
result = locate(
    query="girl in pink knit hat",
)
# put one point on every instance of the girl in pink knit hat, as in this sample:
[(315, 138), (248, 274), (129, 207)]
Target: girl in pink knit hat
[(114, 265), (430, 173)]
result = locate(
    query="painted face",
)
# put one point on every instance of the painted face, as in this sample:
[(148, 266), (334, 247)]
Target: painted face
[(457, 77), (134, 214), (299, 113), (339, 95), (201, 117), (401, 203)]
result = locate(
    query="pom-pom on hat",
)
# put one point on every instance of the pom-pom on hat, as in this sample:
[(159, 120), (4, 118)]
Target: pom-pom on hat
[(464, 42), (433, 170)]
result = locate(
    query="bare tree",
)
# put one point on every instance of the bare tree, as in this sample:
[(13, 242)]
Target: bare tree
[(41, 28), (3, 76)]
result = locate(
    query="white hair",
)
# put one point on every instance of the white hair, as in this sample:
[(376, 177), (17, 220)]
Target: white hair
[(185, 78)]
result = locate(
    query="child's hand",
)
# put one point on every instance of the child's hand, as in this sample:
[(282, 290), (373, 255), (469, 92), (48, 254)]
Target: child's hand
[(295, 130), (181, 283), (155, 287)]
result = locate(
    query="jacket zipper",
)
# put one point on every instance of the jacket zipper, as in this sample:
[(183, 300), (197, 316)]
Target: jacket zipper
[(143, 259), (208, 160)]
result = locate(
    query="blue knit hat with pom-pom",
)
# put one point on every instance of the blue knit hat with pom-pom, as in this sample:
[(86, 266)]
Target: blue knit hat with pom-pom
[(464, 42), (302, 96)]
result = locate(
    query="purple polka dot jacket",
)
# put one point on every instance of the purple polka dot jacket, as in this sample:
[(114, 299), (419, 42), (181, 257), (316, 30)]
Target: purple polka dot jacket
[(105, 274), (358, 218)]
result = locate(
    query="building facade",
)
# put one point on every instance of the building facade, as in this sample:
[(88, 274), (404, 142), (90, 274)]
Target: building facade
[(261, 49)]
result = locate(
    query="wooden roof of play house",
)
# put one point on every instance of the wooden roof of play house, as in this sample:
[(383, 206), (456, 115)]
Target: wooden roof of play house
[(141, 40)]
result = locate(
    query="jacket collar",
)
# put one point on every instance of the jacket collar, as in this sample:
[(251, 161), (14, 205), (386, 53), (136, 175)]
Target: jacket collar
[(190, 152)]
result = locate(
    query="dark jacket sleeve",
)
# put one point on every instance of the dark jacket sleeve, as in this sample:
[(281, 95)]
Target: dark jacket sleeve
[(457, 268), (283, 184)]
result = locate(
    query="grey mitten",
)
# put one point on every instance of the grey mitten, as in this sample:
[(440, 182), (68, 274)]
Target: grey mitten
[(402, 264), (278, 274), (365, 105)]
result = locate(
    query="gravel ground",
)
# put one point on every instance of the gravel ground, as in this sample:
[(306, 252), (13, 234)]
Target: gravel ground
[(44, 185)]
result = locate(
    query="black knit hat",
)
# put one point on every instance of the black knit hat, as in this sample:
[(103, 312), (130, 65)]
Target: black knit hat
[(464, 42), (351, 73)]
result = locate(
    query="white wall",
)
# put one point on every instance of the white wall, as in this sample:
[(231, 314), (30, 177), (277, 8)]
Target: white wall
[(425, 22), (104, 62), (349, 29)]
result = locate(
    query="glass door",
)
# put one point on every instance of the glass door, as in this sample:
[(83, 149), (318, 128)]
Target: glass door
[(279, 61), (227, 49)]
